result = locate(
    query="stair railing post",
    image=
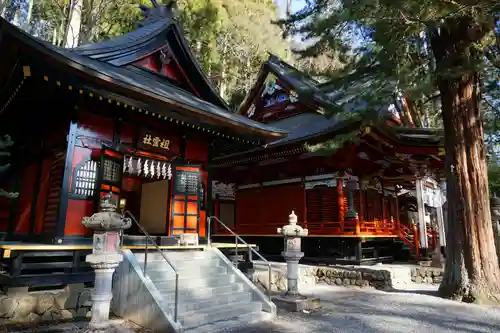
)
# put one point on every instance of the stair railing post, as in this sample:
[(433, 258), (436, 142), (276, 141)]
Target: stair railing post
[(146, 256), (209, 228), (236, 259), (269, 275), (176, 305), (250, 259)]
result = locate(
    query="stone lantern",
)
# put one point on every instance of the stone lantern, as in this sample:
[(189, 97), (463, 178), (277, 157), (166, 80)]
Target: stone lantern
[(107, 225), (292, 253)]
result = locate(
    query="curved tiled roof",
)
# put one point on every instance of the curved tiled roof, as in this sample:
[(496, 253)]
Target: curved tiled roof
[(97, 61)]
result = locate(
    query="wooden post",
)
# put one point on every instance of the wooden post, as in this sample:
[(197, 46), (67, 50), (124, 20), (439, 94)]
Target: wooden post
[(361, 194), (416, 242), (440, 218), (384, 208), (340, 202), (359, 250), (396, 225), (65, 188), (421, 212)]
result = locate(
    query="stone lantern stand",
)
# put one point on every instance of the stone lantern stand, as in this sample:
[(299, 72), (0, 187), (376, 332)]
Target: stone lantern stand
[(292, 253), (105, 257)]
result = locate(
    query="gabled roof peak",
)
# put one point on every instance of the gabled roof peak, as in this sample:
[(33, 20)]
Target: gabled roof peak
[(157, 12)]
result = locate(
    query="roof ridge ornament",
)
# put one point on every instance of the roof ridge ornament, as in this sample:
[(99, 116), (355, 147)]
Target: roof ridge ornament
[(157, 12)]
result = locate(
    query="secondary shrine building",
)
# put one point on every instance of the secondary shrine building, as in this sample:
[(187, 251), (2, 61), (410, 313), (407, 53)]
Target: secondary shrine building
[(134, 115), (350, 199)]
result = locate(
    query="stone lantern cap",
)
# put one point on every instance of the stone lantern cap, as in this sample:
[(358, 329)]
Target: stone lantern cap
[(107, 221), (108, 218), (292, 229)]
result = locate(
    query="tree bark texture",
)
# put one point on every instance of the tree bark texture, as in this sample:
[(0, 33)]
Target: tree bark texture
[(472, 273)]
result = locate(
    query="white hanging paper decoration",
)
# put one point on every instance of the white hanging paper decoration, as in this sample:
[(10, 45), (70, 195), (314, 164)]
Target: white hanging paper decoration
[(139, 167), (164, 170), (146, 168), (152, 169), (130, 165), (125, 164)]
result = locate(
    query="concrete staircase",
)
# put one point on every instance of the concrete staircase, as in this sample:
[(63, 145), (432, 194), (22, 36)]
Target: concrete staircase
[(213, 295)]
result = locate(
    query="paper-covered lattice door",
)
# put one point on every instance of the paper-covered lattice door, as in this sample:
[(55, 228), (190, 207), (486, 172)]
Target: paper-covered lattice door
[(185, 204), (110, 174)]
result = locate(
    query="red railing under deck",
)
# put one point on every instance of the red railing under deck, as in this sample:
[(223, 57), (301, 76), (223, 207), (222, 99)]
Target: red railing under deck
[(347, 227), (409, 234)]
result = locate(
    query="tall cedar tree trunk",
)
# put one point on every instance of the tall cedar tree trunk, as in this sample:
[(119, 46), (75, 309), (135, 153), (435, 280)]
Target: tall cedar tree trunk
[(472, 273)]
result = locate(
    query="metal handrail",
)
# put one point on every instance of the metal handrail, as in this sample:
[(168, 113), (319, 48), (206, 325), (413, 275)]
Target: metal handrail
[(250, 249), (148, 239)]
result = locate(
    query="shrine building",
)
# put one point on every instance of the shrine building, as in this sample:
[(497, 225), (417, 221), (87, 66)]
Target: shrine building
[(134, 115), (347, 197)]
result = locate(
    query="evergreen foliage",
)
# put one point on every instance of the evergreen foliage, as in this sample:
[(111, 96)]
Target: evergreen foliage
[(436, 60), (387, 46)]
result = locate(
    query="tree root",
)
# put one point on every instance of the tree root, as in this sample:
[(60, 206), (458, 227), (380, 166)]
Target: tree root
[(469, 294)]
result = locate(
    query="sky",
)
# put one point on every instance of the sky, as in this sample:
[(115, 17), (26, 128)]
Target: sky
[(296, 5)]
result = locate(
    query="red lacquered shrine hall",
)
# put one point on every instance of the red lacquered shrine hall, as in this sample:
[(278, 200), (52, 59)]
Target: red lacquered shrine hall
[(133, 115), (348, 200)]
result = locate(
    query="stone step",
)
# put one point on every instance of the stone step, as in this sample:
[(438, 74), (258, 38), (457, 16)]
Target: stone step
[(193, 283), (184, 272), (228, 325), (175, 257), (180, 264), (223, 312), (201, 293), (197, 303)]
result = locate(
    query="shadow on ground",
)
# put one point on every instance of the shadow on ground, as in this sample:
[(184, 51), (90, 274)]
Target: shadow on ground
[(371, 311)]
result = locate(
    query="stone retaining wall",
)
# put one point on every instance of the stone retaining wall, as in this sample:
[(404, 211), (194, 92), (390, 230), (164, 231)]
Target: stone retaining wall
[(427, 275), (69, 303), (337, 275)]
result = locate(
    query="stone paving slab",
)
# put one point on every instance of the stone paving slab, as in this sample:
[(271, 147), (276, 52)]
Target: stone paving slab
[(408, 310)]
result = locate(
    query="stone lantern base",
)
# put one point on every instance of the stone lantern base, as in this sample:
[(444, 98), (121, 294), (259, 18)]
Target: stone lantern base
[(296, 303)]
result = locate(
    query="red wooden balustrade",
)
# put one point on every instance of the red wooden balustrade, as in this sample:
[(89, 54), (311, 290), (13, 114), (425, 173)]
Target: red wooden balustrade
[(347, 227)]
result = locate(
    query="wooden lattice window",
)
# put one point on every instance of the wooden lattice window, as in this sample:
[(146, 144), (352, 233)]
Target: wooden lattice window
[(84, 179)]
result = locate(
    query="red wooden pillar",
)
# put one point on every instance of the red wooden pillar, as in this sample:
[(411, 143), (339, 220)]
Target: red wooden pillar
[(361, 209), (341, 201), (416, 242), (396, 225), (384, 207)]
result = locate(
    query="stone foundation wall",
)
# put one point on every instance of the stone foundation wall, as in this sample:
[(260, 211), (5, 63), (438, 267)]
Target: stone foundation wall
[(18, 305), (335, 275), (427, 275)]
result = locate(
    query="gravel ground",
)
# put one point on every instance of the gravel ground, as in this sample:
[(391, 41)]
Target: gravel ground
[(410, 309), (120, 326), (371, 311)]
